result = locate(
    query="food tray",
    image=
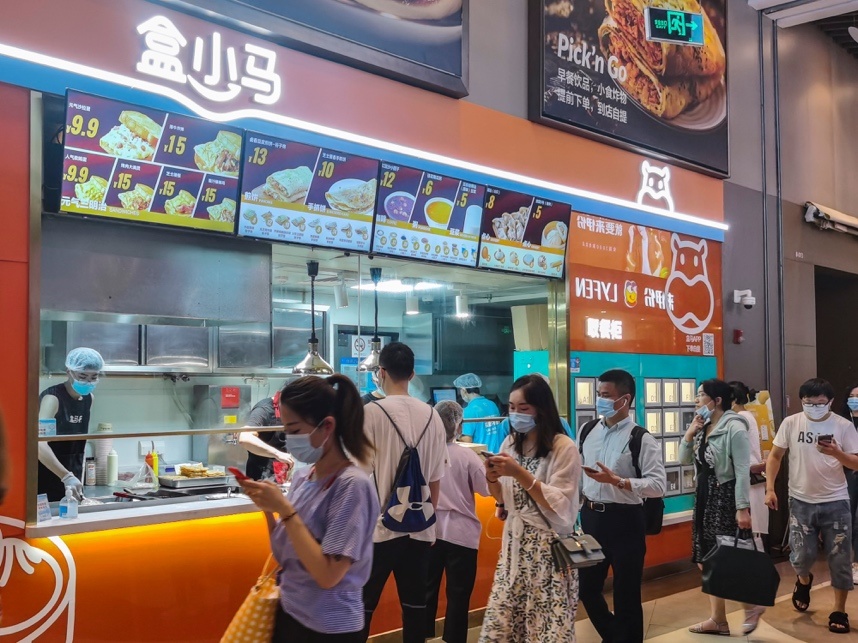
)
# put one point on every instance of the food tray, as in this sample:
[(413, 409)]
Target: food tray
[(175, 482)]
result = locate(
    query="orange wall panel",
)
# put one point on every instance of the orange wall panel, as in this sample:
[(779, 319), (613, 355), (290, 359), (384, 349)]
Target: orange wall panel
[(15, 174)]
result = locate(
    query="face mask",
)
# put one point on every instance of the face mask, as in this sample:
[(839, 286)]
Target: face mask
[(814, 412), (298, 444), (852, 403), (83, 388), (522, 422), (605, 407), (705, 412)]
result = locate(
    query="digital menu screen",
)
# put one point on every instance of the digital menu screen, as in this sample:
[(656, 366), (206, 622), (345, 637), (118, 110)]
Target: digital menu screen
[(522, 233), (421, 215), (303, 194), (128, 162)]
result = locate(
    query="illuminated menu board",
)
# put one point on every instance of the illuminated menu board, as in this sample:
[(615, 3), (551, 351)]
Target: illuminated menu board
[(127, 162), (421, 215), (303, 194), (522, 233)]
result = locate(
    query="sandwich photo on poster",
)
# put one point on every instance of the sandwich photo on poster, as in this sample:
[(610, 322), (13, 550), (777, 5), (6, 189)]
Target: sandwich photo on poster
[(650, 74)]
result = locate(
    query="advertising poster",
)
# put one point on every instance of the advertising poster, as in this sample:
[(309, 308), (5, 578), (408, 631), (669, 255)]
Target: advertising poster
[(128, 162), (522, 233), (298, 193), (647, 73), (421, 215), (634, 289)]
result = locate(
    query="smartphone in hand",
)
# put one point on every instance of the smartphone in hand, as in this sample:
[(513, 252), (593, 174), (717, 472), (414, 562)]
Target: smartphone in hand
[(239, 475), (825, 439), (487, 454), (590, 469)]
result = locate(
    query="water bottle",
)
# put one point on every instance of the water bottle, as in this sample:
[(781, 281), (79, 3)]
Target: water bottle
[(68, 505)]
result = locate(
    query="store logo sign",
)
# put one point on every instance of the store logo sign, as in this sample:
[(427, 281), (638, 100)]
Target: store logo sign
[(611, 329), (214, 71), (688, 287), (655, 186)]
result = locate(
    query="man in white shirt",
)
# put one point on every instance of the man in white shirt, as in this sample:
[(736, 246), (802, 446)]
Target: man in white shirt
[(405, 554), (820, 444)]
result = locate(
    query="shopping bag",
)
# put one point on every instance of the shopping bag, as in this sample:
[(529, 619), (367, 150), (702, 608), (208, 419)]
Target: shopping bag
[(254, 620), (737, 570)]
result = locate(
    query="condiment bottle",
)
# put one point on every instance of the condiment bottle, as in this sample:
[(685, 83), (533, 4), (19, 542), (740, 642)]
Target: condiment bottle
[(112, 466), (89, 476)]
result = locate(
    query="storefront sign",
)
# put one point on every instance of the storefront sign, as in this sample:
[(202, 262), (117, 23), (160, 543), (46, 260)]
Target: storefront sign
[(643, 76), (130, 162), (421, 215), (302, 194), (634, 289), (522, 233)]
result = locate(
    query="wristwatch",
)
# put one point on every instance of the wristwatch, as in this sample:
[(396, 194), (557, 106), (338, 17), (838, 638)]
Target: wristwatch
[(622, 483)]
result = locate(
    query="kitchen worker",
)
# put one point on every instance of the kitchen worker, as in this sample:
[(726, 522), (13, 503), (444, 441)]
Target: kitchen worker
[(487, 433), (69, 403), (264, 448)]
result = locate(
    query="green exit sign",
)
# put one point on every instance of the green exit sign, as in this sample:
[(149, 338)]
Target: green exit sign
[(680, 27)]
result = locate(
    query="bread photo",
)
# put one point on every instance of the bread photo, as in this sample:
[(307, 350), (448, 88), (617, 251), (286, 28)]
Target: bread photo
[(289, 185), (134, 138), (181, 204), (92, 190), (223, 211), (358, 198), (419, 10), (137, 199), (220, 155)]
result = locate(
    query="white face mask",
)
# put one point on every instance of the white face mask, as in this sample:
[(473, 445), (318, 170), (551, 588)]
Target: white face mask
[(816, 412)]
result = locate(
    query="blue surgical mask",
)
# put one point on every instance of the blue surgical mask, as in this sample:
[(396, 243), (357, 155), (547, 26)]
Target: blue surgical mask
[(705, 412), (522, 422), (852, 403), (605, 407), (83, 388), (298, 444)]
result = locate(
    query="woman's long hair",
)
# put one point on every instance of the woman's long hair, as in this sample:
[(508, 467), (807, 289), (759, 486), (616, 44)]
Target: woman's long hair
[(315, 398), (538, 394)]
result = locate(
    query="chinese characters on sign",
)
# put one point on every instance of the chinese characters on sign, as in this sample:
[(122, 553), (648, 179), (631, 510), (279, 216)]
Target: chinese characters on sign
[(681, 27), (217, 73), (604, 329)]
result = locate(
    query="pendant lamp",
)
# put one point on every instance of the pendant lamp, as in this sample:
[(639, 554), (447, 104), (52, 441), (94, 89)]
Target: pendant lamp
[(313, 364), (370, 364)]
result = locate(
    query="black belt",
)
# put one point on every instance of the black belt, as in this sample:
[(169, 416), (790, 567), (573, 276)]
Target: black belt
[(602, 507)]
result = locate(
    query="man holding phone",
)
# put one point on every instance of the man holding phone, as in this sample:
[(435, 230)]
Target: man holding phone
[(820, 444)]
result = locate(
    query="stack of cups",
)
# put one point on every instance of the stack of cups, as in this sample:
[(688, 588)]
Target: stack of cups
[(102, 448)]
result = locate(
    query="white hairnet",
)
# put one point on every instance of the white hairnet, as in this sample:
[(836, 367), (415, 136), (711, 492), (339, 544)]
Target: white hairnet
[(451, 414), (468, 380), (84, 359)]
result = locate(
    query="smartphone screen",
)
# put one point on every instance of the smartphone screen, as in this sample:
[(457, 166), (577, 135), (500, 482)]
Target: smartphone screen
[(487, 454), (238, 474), (590, 469), (825, 438)]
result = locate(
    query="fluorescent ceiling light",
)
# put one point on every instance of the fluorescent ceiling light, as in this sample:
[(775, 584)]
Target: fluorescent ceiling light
[(397, 286)]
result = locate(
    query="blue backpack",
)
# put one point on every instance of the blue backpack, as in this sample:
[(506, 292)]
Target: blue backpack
[(408, 507)]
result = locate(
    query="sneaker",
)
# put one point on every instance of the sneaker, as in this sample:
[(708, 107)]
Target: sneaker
[(855, 573)]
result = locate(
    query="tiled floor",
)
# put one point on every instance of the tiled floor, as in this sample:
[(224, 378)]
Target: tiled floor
[(675, 603)]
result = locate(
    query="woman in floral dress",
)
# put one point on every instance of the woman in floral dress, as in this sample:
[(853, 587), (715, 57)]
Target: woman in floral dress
[(539, 465)]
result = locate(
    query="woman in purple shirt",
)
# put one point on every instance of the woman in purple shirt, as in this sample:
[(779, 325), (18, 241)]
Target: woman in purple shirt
[(323, 536), (457, 531)]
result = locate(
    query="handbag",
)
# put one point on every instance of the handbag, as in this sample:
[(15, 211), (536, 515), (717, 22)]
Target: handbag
[(757, 478), (572, 551), (737, 570), (254, 620)]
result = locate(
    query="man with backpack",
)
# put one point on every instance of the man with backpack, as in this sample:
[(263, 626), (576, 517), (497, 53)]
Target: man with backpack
[(409, 461), (623, 483)]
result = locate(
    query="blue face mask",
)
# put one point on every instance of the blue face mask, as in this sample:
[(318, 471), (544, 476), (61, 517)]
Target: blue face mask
[(705, 412), (852, 403), (522, 422), (298, 444), (83, 388), (605, 407)]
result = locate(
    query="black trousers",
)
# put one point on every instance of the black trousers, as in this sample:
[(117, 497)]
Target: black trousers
[(621, 531), (408, 559), (288, 630), (460, 564)]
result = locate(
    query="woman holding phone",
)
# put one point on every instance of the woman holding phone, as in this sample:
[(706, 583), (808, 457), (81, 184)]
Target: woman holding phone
[(322, 537), (534, 479), (717, 443)]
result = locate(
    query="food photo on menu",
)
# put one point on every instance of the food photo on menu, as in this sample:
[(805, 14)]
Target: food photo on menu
[(135, 163), (649, 72), (299, 193), (427, 216), (522, 233)]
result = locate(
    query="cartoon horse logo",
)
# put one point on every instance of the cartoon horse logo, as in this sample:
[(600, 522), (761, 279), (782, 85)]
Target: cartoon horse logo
[(655, 184), (689, 284)]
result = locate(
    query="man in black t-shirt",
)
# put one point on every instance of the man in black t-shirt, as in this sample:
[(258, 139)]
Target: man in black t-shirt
[(265, 447)]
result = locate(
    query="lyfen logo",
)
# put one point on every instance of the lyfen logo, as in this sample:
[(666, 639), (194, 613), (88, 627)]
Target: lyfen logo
[(215, 72)]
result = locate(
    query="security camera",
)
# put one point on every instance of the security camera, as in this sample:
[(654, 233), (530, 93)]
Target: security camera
[(744, 297)]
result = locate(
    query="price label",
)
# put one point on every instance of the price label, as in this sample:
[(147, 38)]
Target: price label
[(81, 126), (259, 156), (327, 169), (175, 144), (209, 196), (387, 179), (77, 175), (168, 188), (123, 181)]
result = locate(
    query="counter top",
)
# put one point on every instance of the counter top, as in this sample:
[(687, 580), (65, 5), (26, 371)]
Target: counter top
[(139, 515)]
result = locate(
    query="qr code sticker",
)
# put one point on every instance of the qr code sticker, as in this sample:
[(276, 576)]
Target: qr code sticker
[(708, 344)]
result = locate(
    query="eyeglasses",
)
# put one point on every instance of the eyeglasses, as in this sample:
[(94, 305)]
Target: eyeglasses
[(818, 405)]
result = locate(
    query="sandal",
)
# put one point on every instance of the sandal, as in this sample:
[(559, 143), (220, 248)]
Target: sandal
[(721, 629), (838, 622), (752, 619), (801, 594)]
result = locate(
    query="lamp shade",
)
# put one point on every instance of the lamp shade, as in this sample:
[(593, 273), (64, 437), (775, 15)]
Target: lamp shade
[(313, 364), (370, 362), (341, 295), (462, 309), (412, 305)]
